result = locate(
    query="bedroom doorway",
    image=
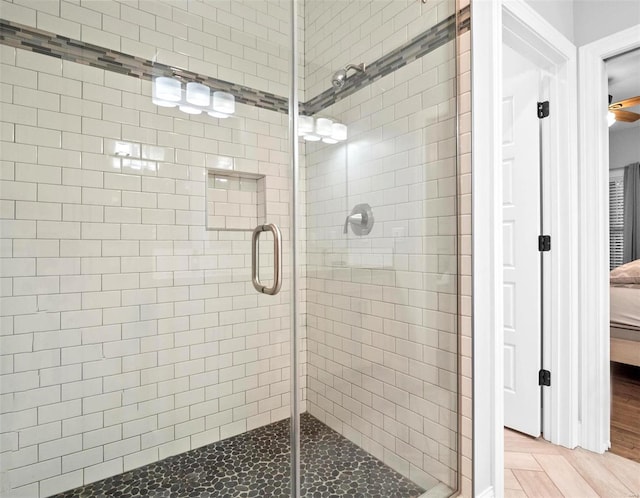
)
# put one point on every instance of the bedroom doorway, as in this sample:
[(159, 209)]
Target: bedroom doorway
[(522, 227), (597, 353), (623, 78)]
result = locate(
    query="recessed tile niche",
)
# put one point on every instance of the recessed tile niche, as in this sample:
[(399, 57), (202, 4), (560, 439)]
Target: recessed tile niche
[(235, 200)]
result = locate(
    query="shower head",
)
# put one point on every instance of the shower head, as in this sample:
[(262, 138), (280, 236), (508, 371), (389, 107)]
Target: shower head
[(340, 76)]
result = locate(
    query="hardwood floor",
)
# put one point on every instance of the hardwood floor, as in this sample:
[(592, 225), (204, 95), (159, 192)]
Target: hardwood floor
[(625, 411), (535, 468)]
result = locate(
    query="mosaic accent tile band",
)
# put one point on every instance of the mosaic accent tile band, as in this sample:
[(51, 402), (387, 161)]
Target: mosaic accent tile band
[(256, 463), (464, 19), (43, 42)]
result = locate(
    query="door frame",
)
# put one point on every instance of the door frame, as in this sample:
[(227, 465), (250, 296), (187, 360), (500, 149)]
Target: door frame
[(537, 38), (594, 234)]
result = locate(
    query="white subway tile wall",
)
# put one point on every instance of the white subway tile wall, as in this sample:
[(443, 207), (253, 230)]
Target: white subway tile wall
[(242, 41), (382, 309), (129, 332), (236, 202), (337, 33)]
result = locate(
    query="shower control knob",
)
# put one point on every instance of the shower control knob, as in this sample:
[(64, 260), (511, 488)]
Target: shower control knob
[(361, 220)]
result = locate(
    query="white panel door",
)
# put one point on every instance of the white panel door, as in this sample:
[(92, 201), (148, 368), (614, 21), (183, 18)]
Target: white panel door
[(521, 214)]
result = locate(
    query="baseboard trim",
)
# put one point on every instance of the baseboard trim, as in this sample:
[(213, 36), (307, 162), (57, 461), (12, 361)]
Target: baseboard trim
[(487, 493)]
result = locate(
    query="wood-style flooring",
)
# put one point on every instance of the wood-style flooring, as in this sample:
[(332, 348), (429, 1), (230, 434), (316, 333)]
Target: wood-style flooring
[(625, 411), (536, 468)]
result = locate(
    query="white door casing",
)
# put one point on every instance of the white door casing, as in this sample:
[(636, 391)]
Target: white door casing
[(525, 29), (595, 393), (521, 259)]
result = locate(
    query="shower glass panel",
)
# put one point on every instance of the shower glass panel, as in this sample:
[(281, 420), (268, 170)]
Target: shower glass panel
[(142, 143), (152, 161), (381, 249)]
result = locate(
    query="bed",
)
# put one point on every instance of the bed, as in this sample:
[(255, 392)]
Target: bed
[(625, 313)]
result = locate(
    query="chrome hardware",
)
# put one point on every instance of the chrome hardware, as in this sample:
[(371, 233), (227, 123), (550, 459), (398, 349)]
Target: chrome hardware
[(277, 259), (360, 68), (361, 220), (353, 219)]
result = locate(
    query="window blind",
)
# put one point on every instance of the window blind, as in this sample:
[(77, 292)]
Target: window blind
[(616, 221)]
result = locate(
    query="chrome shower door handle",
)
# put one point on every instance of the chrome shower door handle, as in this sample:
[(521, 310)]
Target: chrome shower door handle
[(277, 259)]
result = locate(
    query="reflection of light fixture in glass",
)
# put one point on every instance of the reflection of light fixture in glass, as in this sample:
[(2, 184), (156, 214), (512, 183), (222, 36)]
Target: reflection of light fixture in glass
[(224, 104), (323, 127), (198, 94), (122, 149), (132, 163), (339, 131), (222, 162), (193, 98), (611, 118), (166, 92), (305, 125)]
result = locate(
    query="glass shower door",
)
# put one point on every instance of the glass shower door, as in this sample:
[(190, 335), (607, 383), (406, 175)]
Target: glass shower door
[(141, 144), (228, 251), (380, 176)]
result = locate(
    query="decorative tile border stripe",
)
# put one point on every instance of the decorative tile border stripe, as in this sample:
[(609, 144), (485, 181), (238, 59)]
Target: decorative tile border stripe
[(419, 46), (43, 42), (464, 19)]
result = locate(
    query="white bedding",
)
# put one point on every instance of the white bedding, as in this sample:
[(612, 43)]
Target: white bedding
[(625, 306)]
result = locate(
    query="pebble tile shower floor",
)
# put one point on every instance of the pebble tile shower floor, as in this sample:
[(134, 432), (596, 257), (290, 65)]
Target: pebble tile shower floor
[(256, 464)]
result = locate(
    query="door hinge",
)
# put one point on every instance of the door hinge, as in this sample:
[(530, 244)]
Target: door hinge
[(543, 109), (544, 243), (544, 378)]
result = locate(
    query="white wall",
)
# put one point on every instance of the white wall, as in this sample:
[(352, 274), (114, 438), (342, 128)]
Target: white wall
[(624, 147), (584, 21), (594, 19), (559, 13)]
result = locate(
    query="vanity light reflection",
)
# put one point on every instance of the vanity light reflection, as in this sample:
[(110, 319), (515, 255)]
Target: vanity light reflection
[(315, 129), (192, 98)]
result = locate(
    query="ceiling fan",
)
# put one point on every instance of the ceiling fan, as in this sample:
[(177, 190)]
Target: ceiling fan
[(616, 112)]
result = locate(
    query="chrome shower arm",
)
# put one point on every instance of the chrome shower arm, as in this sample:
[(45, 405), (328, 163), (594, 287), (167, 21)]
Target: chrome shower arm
[(356, 67)]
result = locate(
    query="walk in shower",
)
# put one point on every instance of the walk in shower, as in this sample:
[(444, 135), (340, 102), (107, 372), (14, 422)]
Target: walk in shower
[(229, 248)]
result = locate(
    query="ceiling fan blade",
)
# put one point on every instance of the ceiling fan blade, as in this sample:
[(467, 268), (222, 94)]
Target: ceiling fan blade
[(633, 101), (626, 116)]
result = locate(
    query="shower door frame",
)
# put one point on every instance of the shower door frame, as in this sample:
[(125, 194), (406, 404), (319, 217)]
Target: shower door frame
[(293, 112), (295, 278)]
